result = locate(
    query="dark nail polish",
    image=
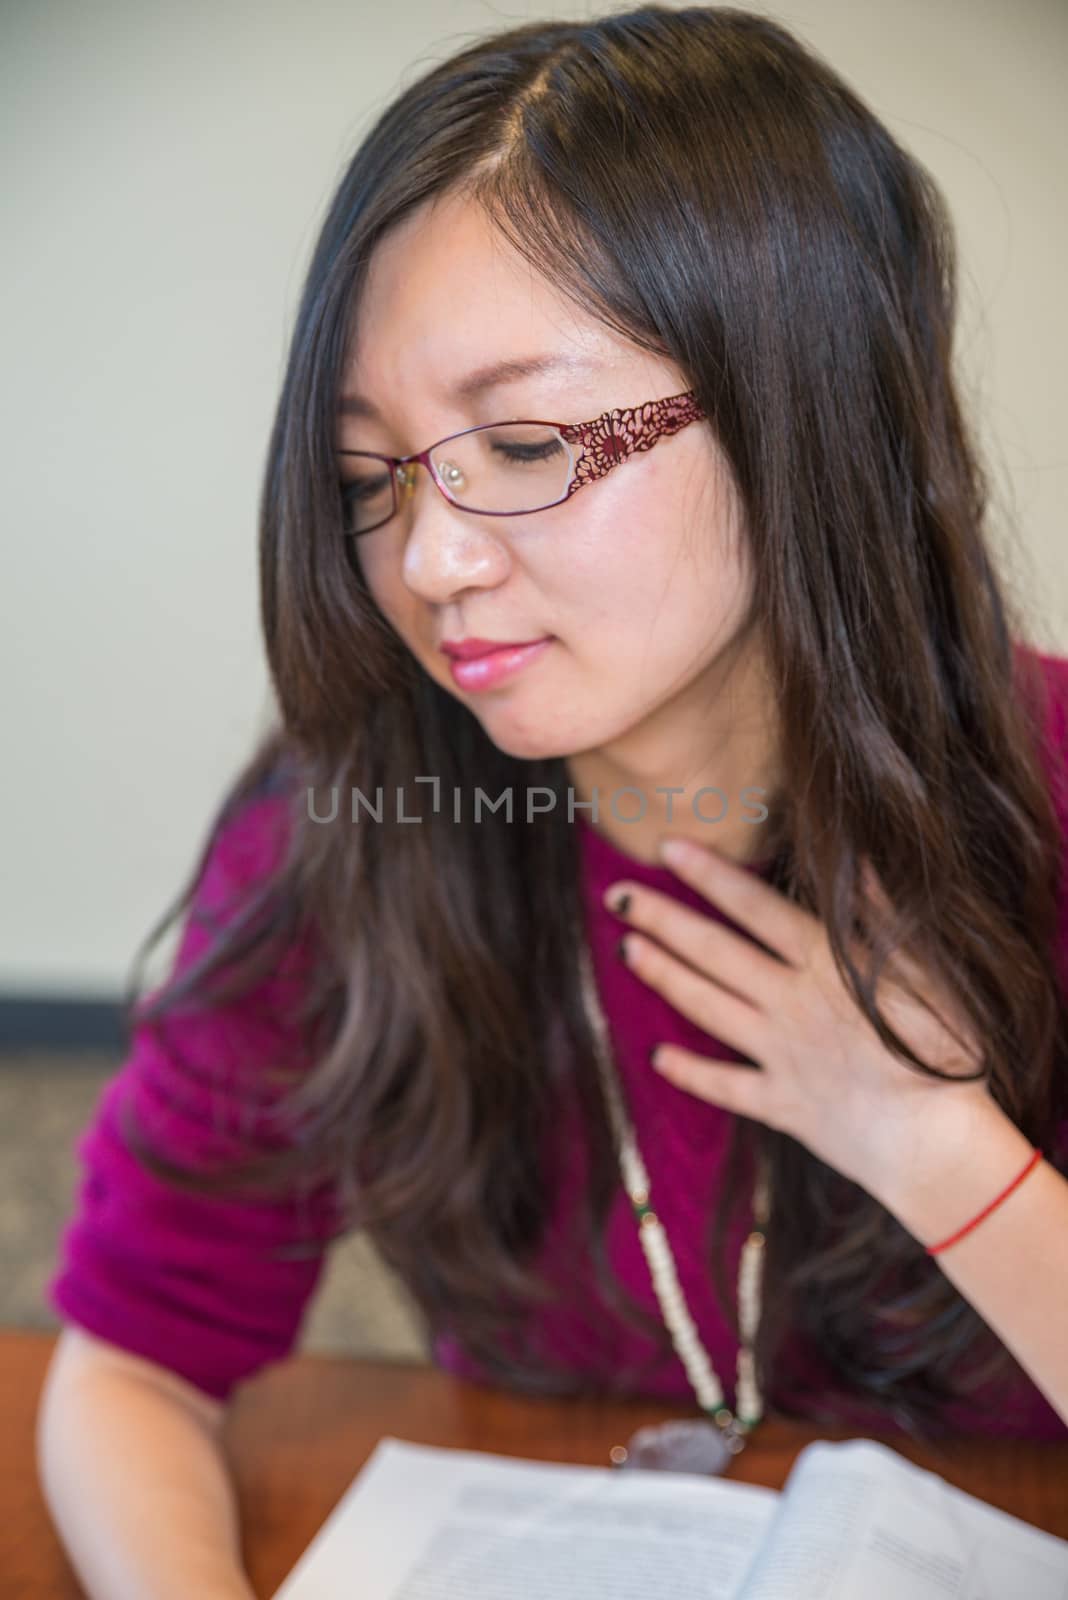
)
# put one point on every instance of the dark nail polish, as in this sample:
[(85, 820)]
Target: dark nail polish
[(621, 950), (622, 905)]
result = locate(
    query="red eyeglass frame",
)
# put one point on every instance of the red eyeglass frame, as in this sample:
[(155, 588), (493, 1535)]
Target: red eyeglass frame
[(612, 437)]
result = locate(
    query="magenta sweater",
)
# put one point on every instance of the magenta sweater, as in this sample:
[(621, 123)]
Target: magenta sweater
[(203, 1287)]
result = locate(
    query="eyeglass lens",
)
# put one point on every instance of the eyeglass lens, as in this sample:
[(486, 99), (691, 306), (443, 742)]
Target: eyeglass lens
[(507, 467)]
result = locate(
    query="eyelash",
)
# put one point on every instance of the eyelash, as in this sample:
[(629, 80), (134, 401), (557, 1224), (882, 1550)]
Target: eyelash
[(529, 452)]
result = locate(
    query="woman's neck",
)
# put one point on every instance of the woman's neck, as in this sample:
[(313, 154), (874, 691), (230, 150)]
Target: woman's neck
[(704, 766), (733, 802), (747, 830)]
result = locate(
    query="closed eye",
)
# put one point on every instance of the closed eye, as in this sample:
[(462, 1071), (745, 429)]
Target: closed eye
[(528, 452)]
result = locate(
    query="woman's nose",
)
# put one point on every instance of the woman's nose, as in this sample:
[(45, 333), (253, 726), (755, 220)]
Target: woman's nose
[(446, 549)]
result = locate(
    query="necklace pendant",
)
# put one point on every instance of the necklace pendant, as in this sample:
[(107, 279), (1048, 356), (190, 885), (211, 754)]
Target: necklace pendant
[(687, 1445)]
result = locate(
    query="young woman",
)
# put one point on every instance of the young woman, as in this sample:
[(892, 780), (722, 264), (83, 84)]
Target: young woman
[(626, 344)]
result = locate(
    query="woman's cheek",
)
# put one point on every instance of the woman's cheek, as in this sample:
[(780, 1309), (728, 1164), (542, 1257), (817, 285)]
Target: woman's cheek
[(382, 591)]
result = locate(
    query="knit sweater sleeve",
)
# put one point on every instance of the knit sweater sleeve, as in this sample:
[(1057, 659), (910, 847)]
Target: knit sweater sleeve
[(213, 1288), (1054, 671)]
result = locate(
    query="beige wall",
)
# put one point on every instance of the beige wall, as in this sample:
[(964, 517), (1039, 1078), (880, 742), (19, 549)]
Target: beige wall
[(165, 166)]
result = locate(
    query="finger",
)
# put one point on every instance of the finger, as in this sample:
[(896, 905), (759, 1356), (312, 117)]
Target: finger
[(736, 1088), (722, 1015), (710, 947), (785, 928)]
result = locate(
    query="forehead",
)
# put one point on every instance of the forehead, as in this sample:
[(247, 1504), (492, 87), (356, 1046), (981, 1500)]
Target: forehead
[(447, 296), (446, 266)]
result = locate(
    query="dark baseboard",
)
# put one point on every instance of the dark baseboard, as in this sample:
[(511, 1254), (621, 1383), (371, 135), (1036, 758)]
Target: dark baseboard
[(60, 1023)]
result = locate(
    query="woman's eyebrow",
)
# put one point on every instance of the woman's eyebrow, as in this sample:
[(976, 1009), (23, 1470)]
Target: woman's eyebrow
[(482, 379)]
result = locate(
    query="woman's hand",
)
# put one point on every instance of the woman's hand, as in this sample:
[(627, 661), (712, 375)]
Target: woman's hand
[(823, 1075), (932, 1152)]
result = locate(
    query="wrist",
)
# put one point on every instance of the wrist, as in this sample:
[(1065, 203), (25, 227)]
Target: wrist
[(951, 1164)]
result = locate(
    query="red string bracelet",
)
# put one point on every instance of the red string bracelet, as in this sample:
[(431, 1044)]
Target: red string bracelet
[(933, 1249)]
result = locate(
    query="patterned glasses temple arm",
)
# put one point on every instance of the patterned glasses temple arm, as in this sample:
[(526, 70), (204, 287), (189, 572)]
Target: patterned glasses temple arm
[(612, 437)]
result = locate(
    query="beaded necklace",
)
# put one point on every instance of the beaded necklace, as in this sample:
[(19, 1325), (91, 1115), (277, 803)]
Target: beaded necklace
[(698, 1445)]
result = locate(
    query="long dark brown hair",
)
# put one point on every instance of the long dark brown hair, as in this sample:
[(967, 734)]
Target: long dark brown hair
[(717, 194)]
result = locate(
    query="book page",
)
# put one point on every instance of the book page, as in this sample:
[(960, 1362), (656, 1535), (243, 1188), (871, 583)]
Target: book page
[(857, 1521), (426, 1523)]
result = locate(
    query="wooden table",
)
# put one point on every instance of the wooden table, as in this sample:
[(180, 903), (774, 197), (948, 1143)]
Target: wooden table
[(299, 1432)]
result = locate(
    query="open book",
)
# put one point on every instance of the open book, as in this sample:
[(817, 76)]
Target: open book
[(855, 1521)]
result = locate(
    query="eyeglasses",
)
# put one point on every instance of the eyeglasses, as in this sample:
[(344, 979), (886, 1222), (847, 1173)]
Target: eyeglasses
[(509, 469)]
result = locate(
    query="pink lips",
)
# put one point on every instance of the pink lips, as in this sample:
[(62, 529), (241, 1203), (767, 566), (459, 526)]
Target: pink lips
[(471, 645), (493, 665)]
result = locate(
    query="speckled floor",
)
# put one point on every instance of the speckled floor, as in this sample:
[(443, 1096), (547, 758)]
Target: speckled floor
[(45, 1101)]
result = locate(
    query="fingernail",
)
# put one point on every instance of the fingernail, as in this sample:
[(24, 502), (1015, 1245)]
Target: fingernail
[(621, 950), (620, 903)]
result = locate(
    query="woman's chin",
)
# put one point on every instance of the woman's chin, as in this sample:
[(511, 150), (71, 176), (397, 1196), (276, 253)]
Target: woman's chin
[(526, 744)]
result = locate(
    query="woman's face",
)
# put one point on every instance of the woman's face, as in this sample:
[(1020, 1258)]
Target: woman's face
[(638, 580)]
